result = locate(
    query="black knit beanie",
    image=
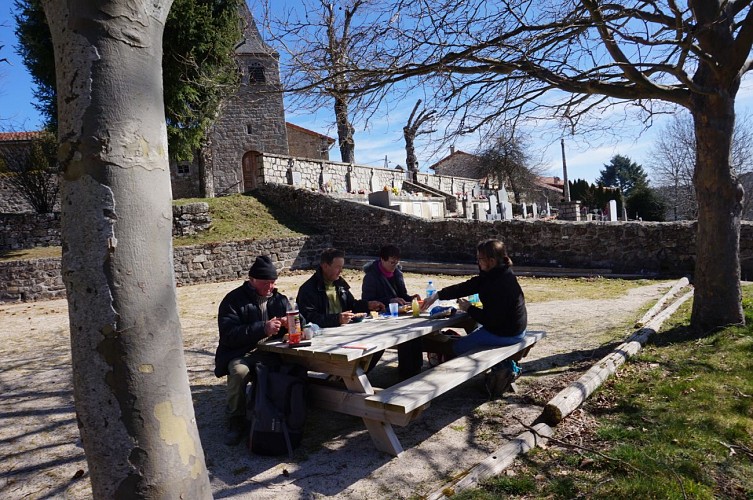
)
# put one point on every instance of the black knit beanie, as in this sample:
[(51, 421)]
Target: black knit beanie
[(263, 269)]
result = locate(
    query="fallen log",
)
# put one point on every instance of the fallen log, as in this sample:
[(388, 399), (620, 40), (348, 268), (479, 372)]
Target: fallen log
[(680, 284), (573, 396), (497, 461)]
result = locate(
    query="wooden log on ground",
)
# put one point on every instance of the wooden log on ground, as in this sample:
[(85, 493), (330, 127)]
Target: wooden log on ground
[(573, 396), (680, 284), (497, 461)]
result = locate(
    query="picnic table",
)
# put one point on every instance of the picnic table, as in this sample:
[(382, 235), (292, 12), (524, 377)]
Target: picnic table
[(346, 351)]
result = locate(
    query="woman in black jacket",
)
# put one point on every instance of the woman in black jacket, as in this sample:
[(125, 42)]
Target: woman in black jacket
[(503, 318), (383, 279)]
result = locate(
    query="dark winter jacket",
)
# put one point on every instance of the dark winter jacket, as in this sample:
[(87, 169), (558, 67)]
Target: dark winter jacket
[(376, 286), (504, 306), (241, 326), (312, 301)]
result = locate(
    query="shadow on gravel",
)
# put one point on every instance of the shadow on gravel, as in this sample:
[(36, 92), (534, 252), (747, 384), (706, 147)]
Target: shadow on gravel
[(336, 451)]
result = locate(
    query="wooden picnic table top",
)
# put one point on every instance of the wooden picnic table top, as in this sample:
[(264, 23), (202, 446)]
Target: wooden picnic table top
[(350, 342)]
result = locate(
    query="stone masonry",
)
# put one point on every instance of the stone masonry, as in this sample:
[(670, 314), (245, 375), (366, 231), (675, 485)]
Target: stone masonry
[(40, 279)]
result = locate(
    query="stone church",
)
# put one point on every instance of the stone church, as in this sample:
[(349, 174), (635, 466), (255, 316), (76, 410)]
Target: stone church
[(250, 123)]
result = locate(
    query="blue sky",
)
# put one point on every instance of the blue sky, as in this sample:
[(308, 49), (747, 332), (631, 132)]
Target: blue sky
[(585, 156)]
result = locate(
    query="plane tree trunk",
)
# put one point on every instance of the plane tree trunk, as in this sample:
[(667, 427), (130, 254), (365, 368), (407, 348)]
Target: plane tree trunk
[(132, 396), (718, 295)]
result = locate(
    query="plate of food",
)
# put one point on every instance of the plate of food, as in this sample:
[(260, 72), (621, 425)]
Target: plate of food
[(358, 317)]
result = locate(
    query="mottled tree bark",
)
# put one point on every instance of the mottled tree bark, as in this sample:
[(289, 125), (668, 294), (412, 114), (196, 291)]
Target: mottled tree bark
[(718, 295), (132, 397)]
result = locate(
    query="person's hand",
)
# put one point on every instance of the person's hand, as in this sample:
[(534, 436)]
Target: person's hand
[(272, 327), (416, 296), (428, 302), (399, 301), (345, 317), (375, 305), (464, 305)]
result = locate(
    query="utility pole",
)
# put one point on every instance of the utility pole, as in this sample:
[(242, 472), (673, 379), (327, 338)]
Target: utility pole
[(564, 171)]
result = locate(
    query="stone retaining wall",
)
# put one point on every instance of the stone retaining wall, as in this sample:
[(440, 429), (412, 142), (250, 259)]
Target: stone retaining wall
[(650, 248), (29, 230), (40, 279)]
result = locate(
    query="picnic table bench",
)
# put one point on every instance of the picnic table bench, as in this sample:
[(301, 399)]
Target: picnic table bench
[(420, 389), (346, 352)]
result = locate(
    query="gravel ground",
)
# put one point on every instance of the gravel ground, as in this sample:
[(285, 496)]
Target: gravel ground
[(41, 454)]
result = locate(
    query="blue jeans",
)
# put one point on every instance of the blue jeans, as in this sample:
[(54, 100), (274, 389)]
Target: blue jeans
[(483, 338)]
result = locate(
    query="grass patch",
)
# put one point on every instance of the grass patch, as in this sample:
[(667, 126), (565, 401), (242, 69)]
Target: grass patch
[(31, 253), (591, 288), (235, 217), (676, 422), (243, 216)]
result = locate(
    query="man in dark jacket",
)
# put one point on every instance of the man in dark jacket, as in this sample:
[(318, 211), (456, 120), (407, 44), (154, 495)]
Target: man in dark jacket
[(252, 313), (325, 298)]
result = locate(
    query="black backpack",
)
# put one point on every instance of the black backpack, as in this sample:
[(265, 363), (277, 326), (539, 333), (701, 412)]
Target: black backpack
[(276, 409)]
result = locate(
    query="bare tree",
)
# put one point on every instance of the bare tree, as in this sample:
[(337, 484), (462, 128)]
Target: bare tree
[(412, 130), (508, 162), (132, 397), (673, 157), (573, 60), (673, 162), (33, 171), (326, 42)]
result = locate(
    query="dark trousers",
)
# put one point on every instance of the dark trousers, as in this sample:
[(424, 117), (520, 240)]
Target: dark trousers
[(410, 359)]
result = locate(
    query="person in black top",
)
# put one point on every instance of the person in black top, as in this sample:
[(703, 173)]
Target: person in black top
[(248, 315), (383, 281), (503, 318)]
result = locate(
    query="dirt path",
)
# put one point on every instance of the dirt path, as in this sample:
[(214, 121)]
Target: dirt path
[(41, 456)]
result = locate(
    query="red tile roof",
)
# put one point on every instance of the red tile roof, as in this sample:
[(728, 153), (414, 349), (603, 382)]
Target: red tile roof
[(310, 132), (18, 136)]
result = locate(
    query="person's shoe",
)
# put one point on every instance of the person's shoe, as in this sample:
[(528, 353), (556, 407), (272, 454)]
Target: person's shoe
[(434, 359), (498, 382), (236, 431)]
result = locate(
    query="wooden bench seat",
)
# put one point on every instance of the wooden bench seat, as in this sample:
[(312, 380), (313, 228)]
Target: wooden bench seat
[(420, 389)]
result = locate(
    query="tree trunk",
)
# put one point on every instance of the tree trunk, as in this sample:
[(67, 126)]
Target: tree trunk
[(718, 296), (344, 132), (132, 397), (411, 162)]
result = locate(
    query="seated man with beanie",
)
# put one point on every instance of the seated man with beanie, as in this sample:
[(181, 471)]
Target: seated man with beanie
[(252, 313)]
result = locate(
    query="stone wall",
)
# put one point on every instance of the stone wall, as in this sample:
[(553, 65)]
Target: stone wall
[(11, 200), (40, 279), (337, 177), (29, 230), (191, 218), (650, 248)]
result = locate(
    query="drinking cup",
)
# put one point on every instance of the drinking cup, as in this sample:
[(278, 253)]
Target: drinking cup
[(394, 308)]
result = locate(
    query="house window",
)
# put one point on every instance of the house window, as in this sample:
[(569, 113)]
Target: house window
[(256, 73), (249, 129), (184, 168)]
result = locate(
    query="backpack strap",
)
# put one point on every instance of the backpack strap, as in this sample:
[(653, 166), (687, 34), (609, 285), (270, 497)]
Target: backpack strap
[(287, 438), (261, 381)]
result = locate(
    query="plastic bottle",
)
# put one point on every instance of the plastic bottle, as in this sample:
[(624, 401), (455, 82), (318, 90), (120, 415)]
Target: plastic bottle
[(430, 289), (414, 307), (294, 323)]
